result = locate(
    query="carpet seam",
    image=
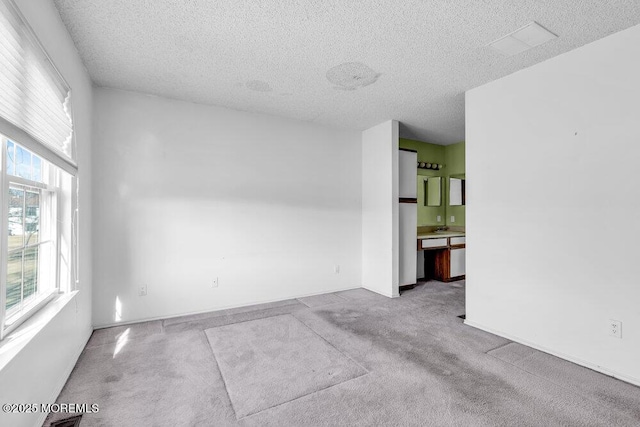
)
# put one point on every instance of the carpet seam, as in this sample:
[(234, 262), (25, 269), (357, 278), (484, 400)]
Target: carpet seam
[(308, 394), (251, 320), (224, 380), (341, 297), (322, 305), (132, 340), (235, 323), (302, 302), (494, 349), (333, 346), (294, 302), (366, 371), (575, 391), (444, 305)]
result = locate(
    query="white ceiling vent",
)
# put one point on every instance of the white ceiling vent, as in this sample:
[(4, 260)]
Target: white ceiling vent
[(525, 38)]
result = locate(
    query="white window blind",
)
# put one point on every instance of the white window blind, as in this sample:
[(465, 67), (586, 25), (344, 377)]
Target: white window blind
[(33, 95)]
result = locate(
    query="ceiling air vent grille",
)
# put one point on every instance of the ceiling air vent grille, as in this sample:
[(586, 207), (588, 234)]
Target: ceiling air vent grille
[(525, 38)]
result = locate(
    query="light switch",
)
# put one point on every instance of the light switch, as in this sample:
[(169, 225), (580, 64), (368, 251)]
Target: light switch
[(438, 218), (453, 218)]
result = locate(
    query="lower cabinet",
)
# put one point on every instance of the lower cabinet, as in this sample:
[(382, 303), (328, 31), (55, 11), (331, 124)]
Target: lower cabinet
[(448, 264), (407, 262), (420, 275), (441, 258), (456, 262)]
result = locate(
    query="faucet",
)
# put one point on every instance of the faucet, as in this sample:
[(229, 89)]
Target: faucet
[(445, 228)]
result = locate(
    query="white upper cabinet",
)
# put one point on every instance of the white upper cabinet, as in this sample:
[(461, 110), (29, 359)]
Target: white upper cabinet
[(408, 223), (407, 162)]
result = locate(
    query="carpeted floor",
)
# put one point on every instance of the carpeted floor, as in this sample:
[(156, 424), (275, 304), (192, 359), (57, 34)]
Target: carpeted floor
[(351, 358), (268, 362)]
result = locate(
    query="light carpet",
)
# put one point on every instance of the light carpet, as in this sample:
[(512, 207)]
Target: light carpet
[(271, 361), (425, 368)]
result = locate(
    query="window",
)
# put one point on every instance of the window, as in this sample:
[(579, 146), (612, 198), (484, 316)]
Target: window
[(37, 175), (30, 187)]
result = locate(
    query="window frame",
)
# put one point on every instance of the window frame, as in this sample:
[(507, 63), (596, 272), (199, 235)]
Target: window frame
[(6, 180)]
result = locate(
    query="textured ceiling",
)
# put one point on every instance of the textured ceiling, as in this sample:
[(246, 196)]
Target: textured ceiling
[(408, 60)]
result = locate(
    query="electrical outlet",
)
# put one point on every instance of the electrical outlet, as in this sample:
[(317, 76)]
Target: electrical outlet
[(615, 328), (214, 282), (453, 218), (142, 291), (438, 218), (336, 269)]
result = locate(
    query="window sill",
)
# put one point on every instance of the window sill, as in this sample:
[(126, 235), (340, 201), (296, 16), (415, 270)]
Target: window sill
[(37, 303), (18, 339)]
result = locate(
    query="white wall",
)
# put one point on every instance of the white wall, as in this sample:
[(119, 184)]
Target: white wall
[(380, 238), (553, 206), (45, 358), (190, 192)]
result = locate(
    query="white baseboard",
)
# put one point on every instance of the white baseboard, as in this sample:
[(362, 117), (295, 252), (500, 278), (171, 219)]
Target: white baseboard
[(384, 294), (577, 361), (226, 307)]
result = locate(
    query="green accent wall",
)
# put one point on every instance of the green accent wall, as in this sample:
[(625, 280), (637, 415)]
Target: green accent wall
[(452, 157), (432, 153), (454, 161)]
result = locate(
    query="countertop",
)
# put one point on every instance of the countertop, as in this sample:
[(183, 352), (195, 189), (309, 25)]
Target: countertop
[(439, 234)]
